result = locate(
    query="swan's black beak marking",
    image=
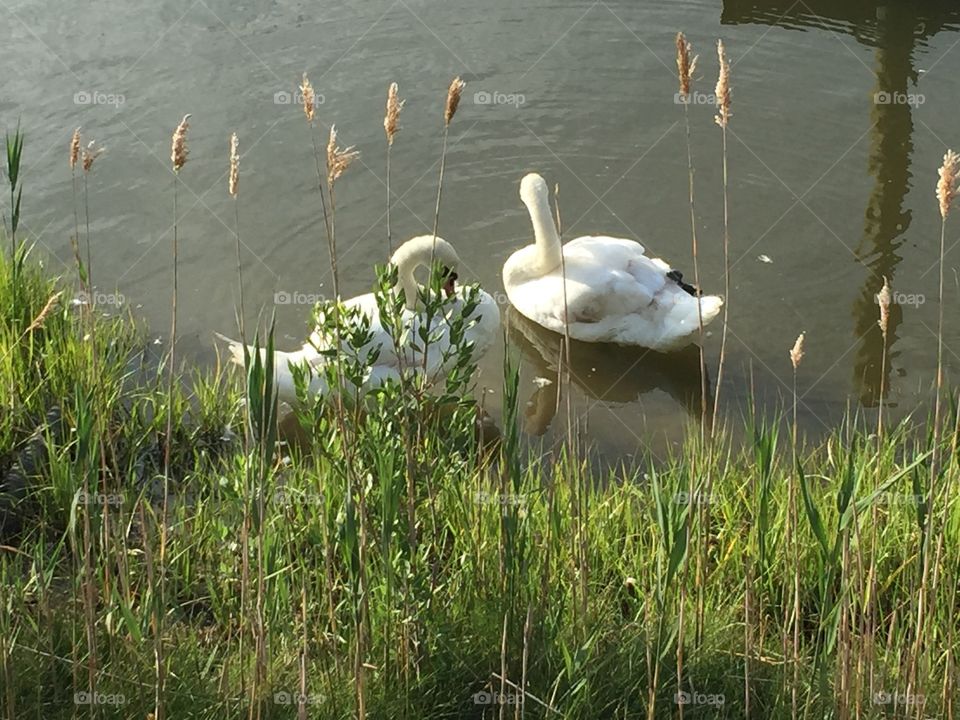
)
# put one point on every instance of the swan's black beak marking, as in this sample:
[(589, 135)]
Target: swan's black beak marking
[(450, 279), (677, 277)]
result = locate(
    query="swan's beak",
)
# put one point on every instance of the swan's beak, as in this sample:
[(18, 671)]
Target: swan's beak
[(450, 287)]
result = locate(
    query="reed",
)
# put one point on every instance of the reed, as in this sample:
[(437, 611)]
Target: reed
[(454, 91), (793, 538), (722, 118), (391, 126)]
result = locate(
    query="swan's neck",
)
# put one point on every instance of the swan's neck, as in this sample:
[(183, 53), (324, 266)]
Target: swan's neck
[(408, 258), (548, 254)]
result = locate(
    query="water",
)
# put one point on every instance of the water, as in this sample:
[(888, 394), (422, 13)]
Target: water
[(828, 182)]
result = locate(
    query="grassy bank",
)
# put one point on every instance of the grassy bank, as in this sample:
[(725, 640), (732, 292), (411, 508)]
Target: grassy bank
[(393, 567)]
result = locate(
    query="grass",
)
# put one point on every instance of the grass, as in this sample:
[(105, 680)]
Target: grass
[(488, 599)]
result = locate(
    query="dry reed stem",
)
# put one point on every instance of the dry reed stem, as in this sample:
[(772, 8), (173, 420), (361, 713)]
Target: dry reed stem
[(309, 98), (391, 120), (74, 148), (453, 99), (233, 184), (723, 88), (686, 65), (178, 145)]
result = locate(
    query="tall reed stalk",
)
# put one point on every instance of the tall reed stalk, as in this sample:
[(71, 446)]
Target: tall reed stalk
[(449, 110), (793, 534), (391, 126), (686, 66), (722, 118), (178, 158)]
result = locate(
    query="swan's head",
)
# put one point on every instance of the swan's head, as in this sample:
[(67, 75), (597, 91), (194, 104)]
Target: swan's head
[(419, 252), (532, 188)]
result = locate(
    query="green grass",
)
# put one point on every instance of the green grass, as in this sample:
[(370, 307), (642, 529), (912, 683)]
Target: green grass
[(543, 571)]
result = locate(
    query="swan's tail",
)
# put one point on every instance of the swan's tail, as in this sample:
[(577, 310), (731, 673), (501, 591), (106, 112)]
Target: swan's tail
[(283, 375), (710, 307)]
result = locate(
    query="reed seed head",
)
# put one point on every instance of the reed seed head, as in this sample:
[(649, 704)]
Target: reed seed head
[(233, 184), (338, 159), (884, 298), (453, 99), (306, 91), (947, 185), (74, 148), (723, 88), (391, 124), (796, 353), (40, 319), (90, 153), (179, 152), (685, 63)]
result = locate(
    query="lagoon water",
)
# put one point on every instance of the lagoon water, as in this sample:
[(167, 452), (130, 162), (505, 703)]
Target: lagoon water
[(842, 112)]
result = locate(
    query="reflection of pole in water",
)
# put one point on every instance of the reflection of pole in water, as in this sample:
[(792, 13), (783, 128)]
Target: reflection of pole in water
[(894, 28), (885, 222)]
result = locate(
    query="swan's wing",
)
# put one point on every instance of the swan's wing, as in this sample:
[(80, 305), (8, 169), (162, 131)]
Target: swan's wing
[(606, 277)]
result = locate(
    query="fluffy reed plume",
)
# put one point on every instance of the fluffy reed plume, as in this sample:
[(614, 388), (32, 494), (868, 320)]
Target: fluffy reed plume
[(41, 318), (391, 119), (90, 154), (306, 91), (686, 65), (233, 184), (233, 188), (796, 352), (453, 99), (884, 298), (178, 145), (947, 185), (338, 159), (74, 148), (723, 88)]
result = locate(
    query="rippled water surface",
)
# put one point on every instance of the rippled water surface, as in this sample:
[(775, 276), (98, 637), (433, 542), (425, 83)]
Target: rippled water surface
[(842, 111)]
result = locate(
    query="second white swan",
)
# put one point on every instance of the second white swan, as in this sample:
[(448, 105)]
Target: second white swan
[(481, 327), (614, 292)]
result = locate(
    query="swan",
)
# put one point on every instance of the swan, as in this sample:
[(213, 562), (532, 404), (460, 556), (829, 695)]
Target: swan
[(614, 293), (482, 326)]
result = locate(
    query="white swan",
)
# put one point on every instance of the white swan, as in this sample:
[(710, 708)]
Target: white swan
[(482, 326), (614, 293)]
